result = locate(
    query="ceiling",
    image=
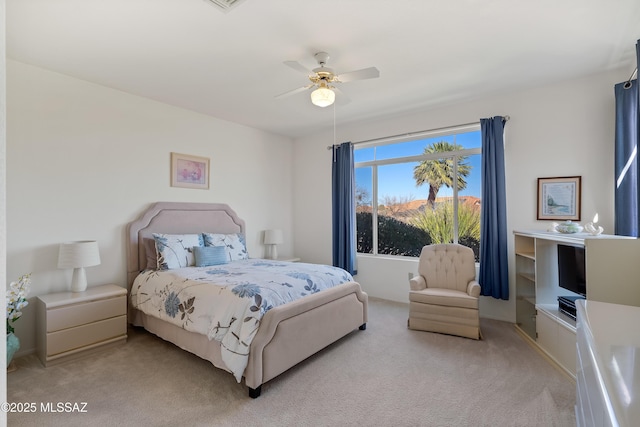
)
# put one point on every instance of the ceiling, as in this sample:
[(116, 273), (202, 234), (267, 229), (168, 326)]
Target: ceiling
[(191, 54)]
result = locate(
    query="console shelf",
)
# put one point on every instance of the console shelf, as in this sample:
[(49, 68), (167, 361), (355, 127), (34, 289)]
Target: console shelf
[(611, 264)]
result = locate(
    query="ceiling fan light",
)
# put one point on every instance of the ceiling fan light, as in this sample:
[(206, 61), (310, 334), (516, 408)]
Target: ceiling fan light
[(323, 97)]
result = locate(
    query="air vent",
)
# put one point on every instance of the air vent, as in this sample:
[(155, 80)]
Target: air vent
[(225, 5)]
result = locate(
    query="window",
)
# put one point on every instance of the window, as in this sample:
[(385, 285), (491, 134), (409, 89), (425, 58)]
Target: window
[(418, 192)]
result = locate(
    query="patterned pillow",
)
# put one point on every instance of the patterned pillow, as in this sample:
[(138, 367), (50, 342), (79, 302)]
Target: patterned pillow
[(210, 255), (235, 244), (176, 250)]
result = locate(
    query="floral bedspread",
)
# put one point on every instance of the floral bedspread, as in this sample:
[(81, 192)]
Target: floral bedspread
[(226, 302)]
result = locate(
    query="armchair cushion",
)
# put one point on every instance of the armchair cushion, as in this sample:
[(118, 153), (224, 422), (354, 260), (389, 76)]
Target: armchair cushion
[(447, 266), (444, 297)]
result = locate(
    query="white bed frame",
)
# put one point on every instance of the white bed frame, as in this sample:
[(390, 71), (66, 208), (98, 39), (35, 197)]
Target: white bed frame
[(288, 334)]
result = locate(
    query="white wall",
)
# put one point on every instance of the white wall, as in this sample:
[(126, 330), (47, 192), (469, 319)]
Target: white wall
[(558, 130), (83, 160)]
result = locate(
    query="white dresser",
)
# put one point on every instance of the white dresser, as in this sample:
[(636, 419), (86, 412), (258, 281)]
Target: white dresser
[(608, 364)]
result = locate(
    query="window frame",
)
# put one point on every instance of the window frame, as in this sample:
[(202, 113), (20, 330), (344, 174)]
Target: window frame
[(474, 127)]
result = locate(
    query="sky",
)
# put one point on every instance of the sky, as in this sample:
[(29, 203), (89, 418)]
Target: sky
[(397, 179)]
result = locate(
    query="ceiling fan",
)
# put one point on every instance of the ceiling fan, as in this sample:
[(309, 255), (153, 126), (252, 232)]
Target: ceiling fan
[(324, 78)]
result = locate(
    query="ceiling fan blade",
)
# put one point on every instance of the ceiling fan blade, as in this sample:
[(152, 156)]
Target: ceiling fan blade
[(294, 91), (298, 67), (341, 97), (365, 73)]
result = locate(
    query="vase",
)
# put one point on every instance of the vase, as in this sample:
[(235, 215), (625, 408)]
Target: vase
[(13, 344)]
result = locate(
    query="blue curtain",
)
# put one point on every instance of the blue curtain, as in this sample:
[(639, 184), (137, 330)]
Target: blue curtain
[(494, 271), (626, 157), (343, 208)]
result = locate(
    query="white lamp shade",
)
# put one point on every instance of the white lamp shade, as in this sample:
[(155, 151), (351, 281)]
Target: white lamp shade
[(273, 237), (78, 254), (323, 97)]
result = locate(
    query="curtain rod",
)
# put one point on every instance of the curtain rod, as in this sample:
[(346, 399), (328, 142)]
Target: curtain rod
[(411, 134), (627, 84)]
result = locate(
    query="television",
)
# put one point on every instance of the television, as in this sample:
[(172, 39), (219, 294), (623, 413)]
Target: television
[(571, 272)]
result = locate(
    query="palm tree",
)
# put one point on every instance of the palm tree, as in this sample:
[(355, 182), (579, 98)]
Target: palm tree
[(439, 172)]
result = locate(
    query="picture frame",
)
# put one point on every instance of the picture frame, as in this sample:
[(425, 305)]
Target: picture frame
[(189, 171), (559, 198)]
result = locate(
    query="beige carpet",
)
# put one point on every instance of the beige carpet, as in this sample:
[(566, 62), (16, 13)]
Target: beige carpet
[(384, 376)]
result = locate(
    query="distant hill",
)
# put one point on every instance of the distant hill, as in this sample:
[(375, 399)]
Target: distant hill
[(420, 205), (406, 210)]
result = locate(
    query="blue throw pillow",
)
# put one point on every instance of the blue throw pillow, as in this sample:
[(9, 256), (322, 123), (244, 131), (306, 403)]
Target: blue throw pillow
[(210, 255)]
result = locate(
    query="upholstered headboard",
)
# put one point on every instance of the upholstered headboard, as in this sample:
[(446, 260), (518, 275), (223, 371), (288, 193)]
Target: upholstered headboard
[(176, 218)]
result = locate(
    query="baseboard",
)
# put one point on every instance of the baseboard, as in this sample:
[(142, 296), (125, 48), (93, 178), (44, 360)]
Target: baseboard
[(24, 352), (544, 354)]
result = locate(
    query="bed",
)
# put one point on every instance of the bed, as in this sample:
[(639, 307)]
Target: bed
[(287, 333)]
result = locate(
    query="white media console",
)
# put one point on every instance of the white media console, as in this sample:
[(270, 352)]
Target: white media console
[(612, 272)]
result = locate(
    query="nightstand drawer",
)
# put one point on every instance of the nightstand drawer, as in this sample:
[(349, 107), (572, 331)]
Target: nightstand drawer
[(81, 336), (80, 314)]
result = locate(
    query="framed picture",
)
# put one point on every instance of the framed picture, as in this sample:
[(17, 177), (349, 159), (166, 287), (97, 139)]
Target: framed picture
[(189, 171), (559, 198)]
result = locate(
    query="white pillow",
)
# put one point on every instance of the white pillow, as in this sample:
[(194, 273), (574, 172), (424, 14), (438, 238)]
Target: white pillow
[(176, 250), (235, 244)]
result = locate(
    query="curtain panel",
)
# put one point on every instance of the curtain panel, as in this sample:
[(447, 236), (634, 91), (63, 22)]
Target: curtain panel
[(494, 260), (627, 170), (343, 208)]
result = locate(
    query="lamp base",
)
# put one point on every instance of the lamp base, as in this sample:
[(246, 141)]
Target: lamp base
[(79, 280), (273, 253)]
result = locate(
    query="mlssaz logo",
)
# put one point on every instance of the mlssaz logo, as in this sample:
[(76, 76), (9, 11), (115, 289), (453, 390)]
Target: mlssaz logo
[(63, 407)]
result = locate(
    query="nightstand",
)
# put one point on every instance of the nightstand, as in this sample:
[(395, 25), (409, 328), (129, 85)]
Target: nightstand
[(73, 324)]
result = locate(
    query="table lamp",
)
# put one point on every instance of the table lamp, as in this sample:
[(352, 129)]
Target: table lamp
[(273, 238), (78, 255)]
